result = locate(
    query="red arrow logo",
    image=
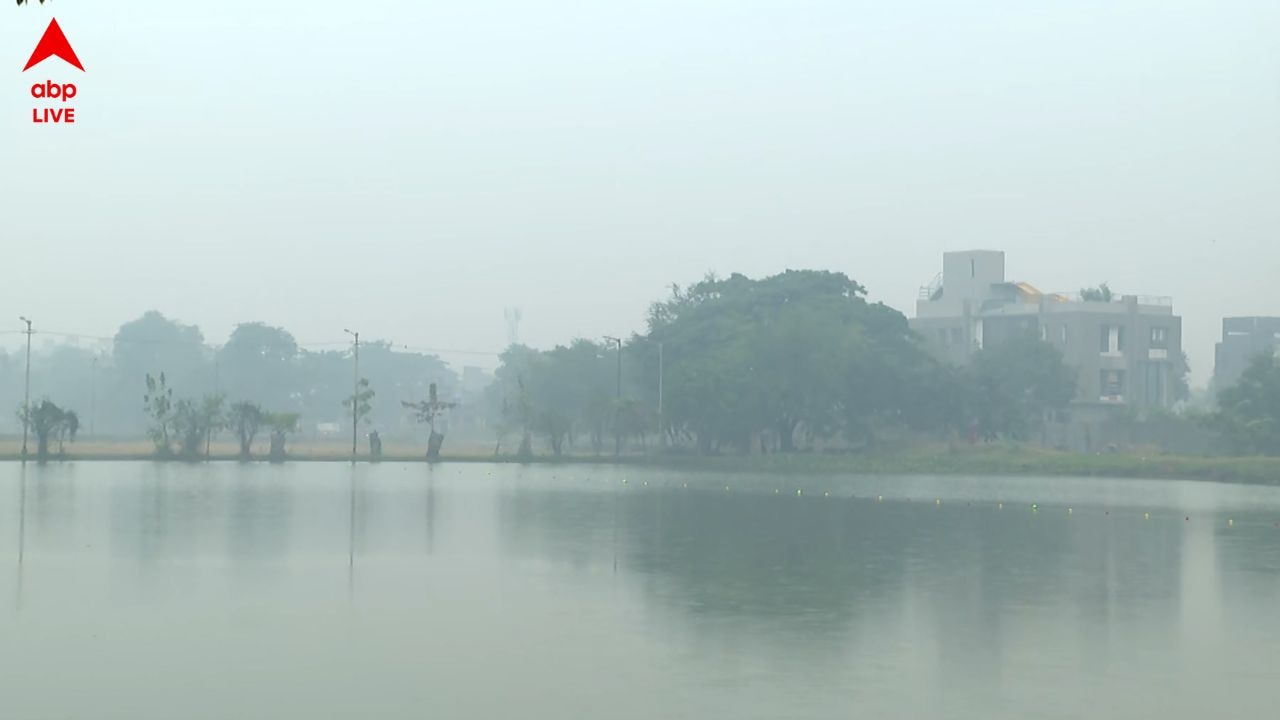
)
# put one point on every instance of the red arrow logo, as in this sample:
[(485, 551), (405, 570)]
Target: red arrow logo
[(53, 44)]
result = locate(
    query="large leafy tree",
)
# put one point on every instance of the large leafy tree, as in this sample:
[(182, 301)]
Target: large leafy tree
[(1249, 411), (793, 356), (259, 363), (1014, 384)]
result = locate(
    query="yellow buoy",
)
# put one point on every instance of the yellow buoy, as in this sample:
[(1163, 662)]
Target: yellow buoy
[(1068, 511), (1146, 516), (1231, 522), (799, 492)]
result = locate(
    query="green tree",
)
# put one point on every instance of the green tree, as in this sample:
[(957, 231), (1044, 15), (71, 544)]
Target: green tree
[(194, 422), (1101, 293), (1015, 384), (158, 404), (362, 399), (282, 425), (785, 359), (245, 420), (1249, 411), (428, 411), (48, 422), (260, 363)]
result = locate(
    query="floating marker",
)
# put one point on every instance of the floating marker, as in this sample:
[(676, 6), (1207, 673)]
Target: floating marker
[(1034, 507), (624, 481), (1068, 511), (726, 488), (879, 498), (1187, 518), (999, 506), (799, 492), (646, 483), (776, 491), (826, 494), (686, 485), (1231, 522), (1146, 516), (938, 501)]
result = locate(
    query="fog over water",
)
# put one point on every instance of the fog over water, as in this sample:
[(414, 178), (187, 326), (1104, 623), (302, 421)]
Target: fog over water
[(309, 590)]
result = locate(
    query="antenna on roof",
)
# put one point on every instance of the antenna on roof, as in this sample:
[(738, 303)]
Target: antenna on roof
[(513, 316)]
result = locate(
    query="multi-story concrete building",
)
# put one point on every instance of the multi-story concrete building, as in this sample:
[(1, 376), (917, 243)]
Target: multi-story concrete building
[(1127, 350), (1243, 339)]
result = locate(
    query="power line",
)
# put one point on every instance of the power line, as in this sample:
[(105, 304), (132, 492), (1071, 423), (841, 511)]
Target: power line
[(324, 343)]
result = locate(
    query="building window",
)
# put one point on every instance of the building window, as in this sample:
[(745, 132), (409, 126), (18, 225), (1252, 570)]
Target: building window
[(1160, 338), (1111, 383), (1111, 340), (1155, 382)]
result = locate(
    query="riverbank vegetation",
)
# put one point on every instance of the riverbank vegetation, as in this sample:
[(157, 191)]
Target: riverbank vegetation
[(799, 368)]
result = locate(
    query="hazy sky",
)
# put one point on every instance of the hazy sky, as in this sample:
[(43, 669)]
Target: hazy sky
[(410, 168)]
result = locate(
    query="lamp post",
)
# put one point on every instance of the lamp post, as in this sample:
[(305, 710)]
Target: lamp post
[(662, 436), (355, 393), (617, 407), (93, 393), (26, 393)]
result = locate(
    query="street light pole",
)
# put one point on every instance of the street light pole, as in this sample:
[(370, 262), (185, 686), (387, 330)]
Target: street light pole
[(662, 436), (355, 393), (617, 407), (26, 394), (93, 393)]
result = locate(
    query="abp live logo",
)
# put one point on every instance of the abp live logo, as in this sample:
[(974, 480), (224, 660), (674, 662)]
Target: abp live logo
[(54, 43)]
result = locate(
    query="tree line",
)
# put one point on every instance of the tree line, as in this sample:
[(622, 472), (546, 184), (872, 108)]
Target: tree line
[(803, 360), (799, 359)]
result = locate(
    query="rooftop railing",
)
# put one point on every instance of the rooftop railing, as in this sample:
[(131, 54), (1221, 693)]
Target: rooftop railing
[(1077, 296)]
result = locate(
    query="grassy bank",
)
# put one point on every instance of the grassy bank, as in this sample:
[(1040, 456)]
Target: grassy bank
[(926, 460)]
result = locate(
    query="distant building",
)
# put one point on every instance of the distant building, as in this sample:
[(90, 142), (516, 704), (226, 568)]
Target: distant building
[(1243, 339), (1127, 350)]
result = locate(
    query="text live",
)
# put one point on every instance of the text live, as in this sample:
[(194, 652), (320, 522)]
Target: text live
[(50, 90)]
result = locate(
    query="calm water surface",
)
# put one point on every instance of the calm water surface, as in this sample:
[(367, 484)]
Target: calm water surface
[(398, 591)]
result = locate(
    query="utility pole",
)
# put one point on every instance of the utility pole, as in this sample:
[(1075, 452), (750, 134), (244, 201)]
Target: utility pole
[(617, 406), (93, 393), (26, 394), (355, 394), (662, 436)]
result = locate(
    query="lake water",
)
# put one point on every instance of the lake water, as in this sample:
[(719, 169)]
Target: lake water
[(473, 591)]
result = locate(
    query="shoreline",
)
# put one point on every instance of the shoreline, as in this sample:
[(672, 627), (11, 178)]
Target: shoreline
[(996, 460)]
